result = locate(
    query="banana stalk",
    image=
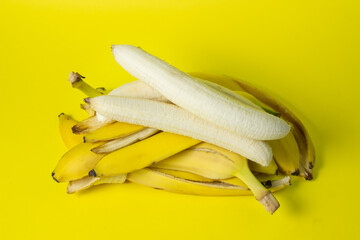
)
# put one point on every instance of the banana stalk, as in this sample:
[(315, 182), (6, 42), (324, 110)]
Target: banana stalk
[(77, 82)]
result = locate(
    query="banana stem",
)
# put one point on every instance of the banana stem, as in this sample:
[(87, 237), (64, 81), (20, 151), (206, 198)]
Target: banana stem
[(77, 82), (263, 195)]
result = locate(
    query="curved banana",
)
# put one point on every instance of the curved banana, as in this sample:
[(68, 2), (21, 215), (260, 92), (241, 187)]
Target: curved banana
[(65, 124), (212, 166), (271, 169), (76, 163), (286, 154), (142, 154)]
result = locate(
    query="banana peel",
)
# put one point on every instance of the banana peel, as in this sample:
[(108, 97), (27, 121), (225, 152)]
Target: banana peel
[(306, 147)]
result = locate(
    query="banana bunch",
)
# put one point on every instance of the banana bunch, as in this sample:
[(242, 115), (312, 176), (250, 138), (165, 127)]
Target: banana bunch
[(164, 132)]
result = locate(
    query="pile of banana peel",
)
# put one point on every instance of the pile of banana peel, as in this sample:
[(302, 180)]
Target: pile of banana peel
[(109, 151)]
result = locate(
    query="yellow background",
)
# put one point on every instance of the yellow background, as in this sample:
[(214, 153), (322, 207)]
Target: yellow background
[(304, 52)]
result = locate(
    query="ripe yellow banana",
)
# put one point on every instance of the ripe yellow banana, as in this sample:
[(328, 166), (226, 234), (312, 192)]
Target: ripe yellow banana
[(112, 131), (87, 182), (142, 154), (286, 154), (190, 93), (65, 124), (162, 181), (211, 166), (271, 169), (76, 163)]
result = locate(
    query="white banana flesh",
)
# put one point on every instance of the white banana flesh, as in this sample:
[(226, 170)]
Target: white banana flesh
[(191, 94), (173, 119), (140, 89)]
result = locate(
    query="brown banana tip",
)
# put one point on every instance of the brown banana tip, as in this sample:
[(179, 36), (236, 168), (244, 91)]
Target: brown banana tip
[(75, 77), (296, 173), (92, 173), (311, 165), (87, 100), (277, 172), (84, 139), (75, 129), (52, 174), (268, 184), (270, 203), (95, 150), (61, 114), (309, 175), (101, 89)]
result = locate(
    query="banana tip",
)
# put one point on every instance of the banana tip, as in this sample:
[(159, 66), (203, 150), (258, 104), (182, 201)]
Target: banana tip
[(270, 203), (53, 174), (92, 173), (296, 173), (75, 129), (87, 100), (61, 114)]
